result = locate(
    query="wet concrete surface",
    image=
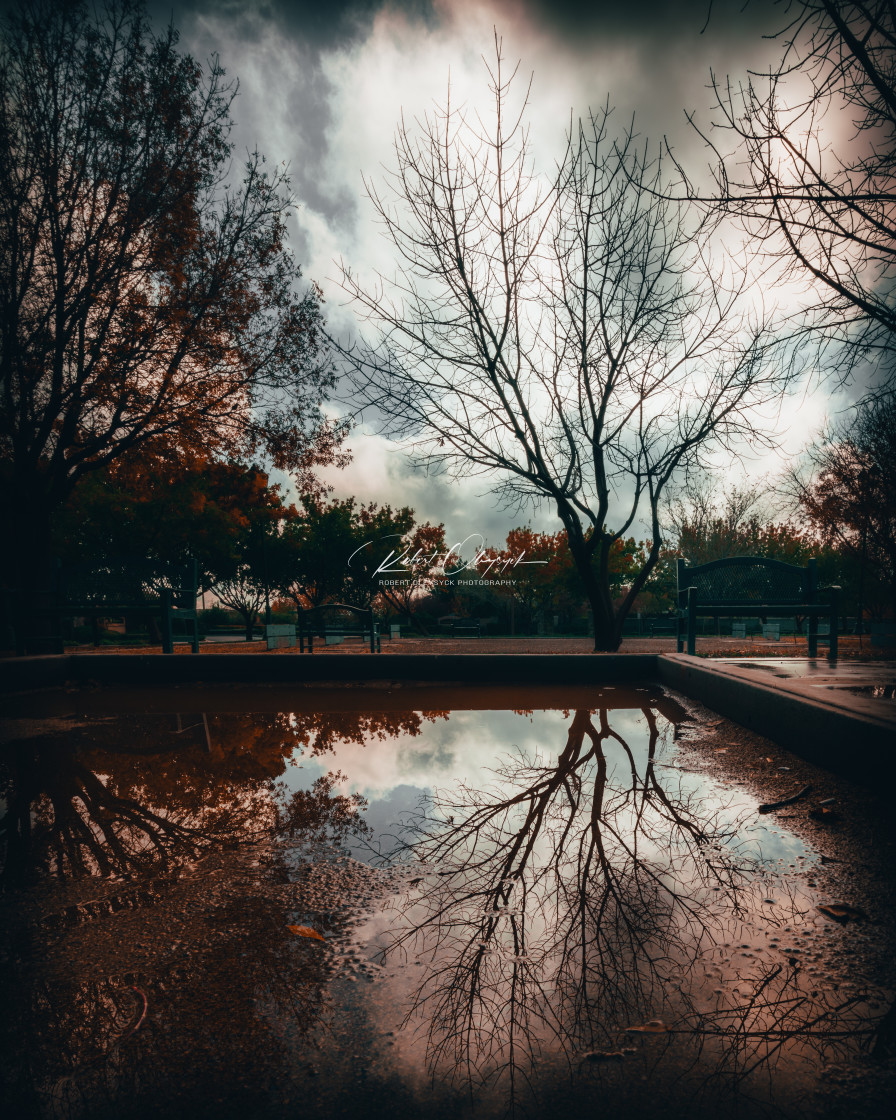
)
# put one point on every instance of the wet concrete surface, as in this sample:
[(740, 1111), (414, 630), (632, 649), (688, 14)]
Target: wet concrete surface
[(868, 687), (550, 901)]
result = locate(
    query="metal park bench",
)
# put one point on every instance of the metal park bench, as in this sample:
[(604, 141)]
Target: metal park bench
[(334, 622), (466, 628), (121, 587), (455, 626), (753, 587)]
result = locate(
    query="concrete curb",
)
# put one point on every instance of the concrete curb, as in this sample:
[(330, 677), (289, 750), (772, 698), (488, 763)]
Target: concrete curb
[(19, 674), (823, 733)]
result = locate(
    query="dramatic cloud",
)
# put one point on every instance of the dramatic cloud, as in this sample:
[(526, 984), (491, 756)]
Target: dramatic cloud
[(322, 87)]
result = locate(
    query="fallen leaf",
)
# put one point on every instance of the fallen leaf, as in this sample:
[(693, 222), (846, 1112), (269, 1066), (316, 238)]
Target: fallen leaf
[(827, 816), (841, 912), (654, 1026), (304, 931)]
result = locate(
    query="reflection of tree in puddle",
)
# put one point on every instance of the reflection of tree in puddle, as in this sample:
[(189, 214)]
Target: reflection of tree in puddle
[(139, 795), (188, 940), (580, 912)]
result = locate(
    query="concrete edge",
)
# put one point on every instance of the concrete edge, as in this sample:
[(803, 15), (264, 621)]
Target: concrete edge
[(821, 733), (23, 674), (153, 670)]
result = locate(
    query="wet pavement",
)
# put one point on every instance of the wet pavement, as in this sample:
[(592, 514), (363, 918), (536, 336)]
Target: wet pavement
[(865, 687), (469, 902)]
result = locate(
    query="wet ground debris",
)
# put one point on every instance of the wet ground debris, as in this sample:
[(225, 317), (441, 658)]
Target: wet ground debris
[(772, 805), (824, 814), (841, 912), (603, 1056)]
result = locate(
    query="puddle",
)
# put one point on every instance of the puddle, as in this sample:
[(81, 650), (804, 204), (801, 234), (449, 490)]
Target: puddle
[(875, 691), (412, 901)]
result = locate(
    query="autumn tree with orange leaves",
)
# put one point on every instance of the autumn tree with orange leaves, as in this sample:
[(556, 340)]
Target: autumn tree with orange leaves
[(425, 550), (850, 500), (541, 572), (165, 507), (147, 290)]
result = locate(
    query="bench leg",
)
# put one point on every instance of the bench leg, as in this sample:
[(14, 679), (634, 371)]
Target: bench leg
[(813, 635)]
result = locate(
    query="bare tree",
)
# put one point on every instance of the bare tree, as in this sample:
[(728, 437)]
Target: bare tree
[(573, 336), (702, 503), (246, 593), (817, 188)]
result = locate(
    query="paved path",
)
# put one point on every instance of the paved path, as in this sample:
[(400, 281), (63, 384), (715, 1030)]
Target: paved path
[(850, 647)]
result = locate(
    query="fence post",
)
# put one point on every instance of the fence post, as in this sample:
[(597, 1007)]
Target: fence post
[(832, 645), (692, 620), (813, 634), (812, 597), (680, 602), (167, 627)]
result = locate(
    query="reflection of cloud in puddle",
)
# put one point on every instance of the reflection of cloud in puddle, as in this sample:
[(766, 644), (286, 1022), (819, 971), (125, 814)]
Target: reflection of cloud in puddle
[(463, 746), (386, 817), (397, 773)]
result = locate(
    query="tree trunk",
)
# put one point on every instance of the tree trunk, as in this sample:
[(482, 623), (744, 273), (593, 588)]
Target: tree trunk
[(607, 627), (249, 618), (28, 578)]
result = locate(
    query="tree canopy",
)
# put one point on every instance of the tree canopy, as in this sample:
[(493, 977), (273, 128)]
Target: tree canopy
[(147, 290), (813, 172)]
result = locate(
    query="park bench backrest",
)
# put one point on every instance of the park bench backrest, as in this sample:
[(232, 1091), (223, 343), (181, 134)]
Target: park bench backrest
[(739, 579), (335, 616)]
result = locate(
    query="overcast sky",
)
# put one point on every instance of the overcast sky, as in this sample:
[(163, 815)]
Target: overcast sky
[(323, 84)]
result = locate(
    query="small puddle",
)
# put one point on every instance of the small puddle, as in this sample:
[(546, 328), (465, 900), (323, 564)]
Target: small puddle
[(401, 902), (874, 691)]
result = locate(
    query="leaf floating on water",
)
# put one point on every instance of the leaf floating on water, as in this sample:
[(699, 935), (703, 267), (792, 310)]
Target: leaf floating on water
[(305, 931), (841, 912), (654, 1026)]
